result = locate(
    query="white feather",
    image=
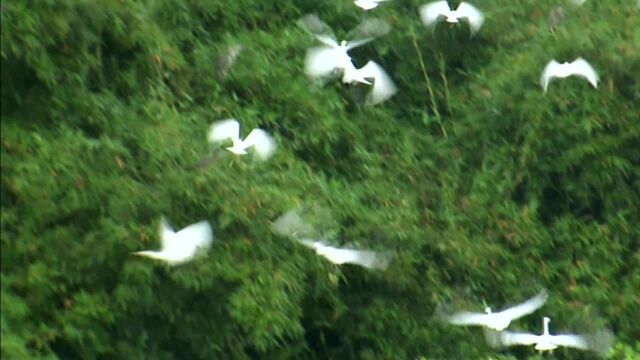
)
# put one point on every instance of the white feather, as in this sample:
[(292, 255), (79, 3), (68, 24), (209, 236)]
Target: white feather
[(368, 4), (579, 67), (258, 139), (433, 12), (365, 258), (382, 86), (499, 320), (183, 246)]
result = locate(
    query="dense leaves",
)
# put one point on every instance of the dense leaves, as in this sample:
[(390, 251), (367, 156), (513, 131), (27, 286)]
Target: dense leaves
[(484, 187)]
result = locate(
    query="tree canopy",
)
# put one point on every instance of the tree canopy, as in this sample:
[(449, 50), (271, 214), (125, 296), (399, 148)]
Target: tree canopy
[(485, 188)]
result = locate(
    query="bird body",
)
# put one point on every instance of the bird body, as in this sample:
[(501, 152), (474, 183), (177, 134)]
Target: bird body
[(431, 13), (259, 139), (182, 246), (578, 67), (599, 342), (498, 320), (368, 4), (366, 258)]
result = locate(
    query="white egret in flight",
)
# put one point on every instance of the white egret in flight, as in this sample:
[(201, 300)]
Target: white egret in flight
[(259, 139), (182, 246), (433, 12), (578, 67)]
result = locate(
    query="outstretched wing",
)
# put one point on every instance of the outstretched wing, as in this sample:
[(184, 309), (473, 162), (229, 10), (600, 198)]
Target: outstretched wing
[(368, 30), (312, 24), (321, 62), (467, 318), (262, 143), (472, 13), (429, 13), (166, 233), (574, 341), (383, 86), (507, 338), (526, 307), (196, 236), (549, 72), (223, 130), (582, 68)]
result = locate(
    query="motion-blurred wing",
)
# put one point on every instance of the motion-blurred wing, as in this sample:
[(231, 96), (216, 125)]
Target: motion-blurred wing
[(467, 318), (223, 130), (367, 4), (582, 68), (327, 40), (574, 341), (526, 307), (226, 60), (383, 86), (166, 232), (368, 30), (262, 143), (321, 62), (312, 24), (549, 72), (291, 224), (198, 235), (472, 13), (429, 13), (506, 338)]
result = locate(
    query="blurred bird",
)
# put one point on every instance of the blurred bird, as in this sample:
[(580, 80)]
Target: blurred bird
[(366, 258), (226, 60), (498, 320), (579, 67), (433, 12), (368, 4), (259, 139), (382, 86), (599, 342), (183, 246), (556, 18)]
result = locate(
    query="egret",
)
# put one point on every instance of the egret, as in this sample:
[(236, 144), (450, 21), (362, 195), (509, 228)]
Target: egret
[(182, 246), (578, 67), (434, 11), (498, 320), (259, 139), (365, 258)]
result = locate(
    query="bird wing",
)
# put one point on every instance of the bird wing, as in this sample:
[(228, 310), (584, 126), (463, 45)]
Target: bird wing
[(291, 224), (368, 30), (472, 13), (327, 40), (429, 13), (467, 318), (574, 341), (549, 72), (526, 307), (507, 338), (194, 236), (582, 68), (322, 61), (366, 4), (166, 232), (312, 24), (223, 130), (262, 143), (383, 86)]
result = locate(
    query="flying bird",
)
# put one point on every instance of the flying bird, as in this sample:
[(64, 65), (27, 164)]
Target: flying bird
[(182, 246), (365, 258), (555, 18), (260, 140), (599, 342), (579, 67), (368, 4), (498, 320), (333, 59), (226, 60), (433, 12)]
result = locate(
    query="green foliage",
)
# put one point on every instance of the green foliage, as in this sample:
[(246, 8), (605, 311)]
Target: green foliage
[(481, 184)]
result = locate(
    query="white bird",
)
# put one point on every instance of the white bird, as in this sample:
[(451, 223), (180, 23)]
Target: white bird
[(368, 4), (498, 320), (579, 67), (366, 258), (433, 12), (382, 86), (182, 246), (259, 139), (599, 342)]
